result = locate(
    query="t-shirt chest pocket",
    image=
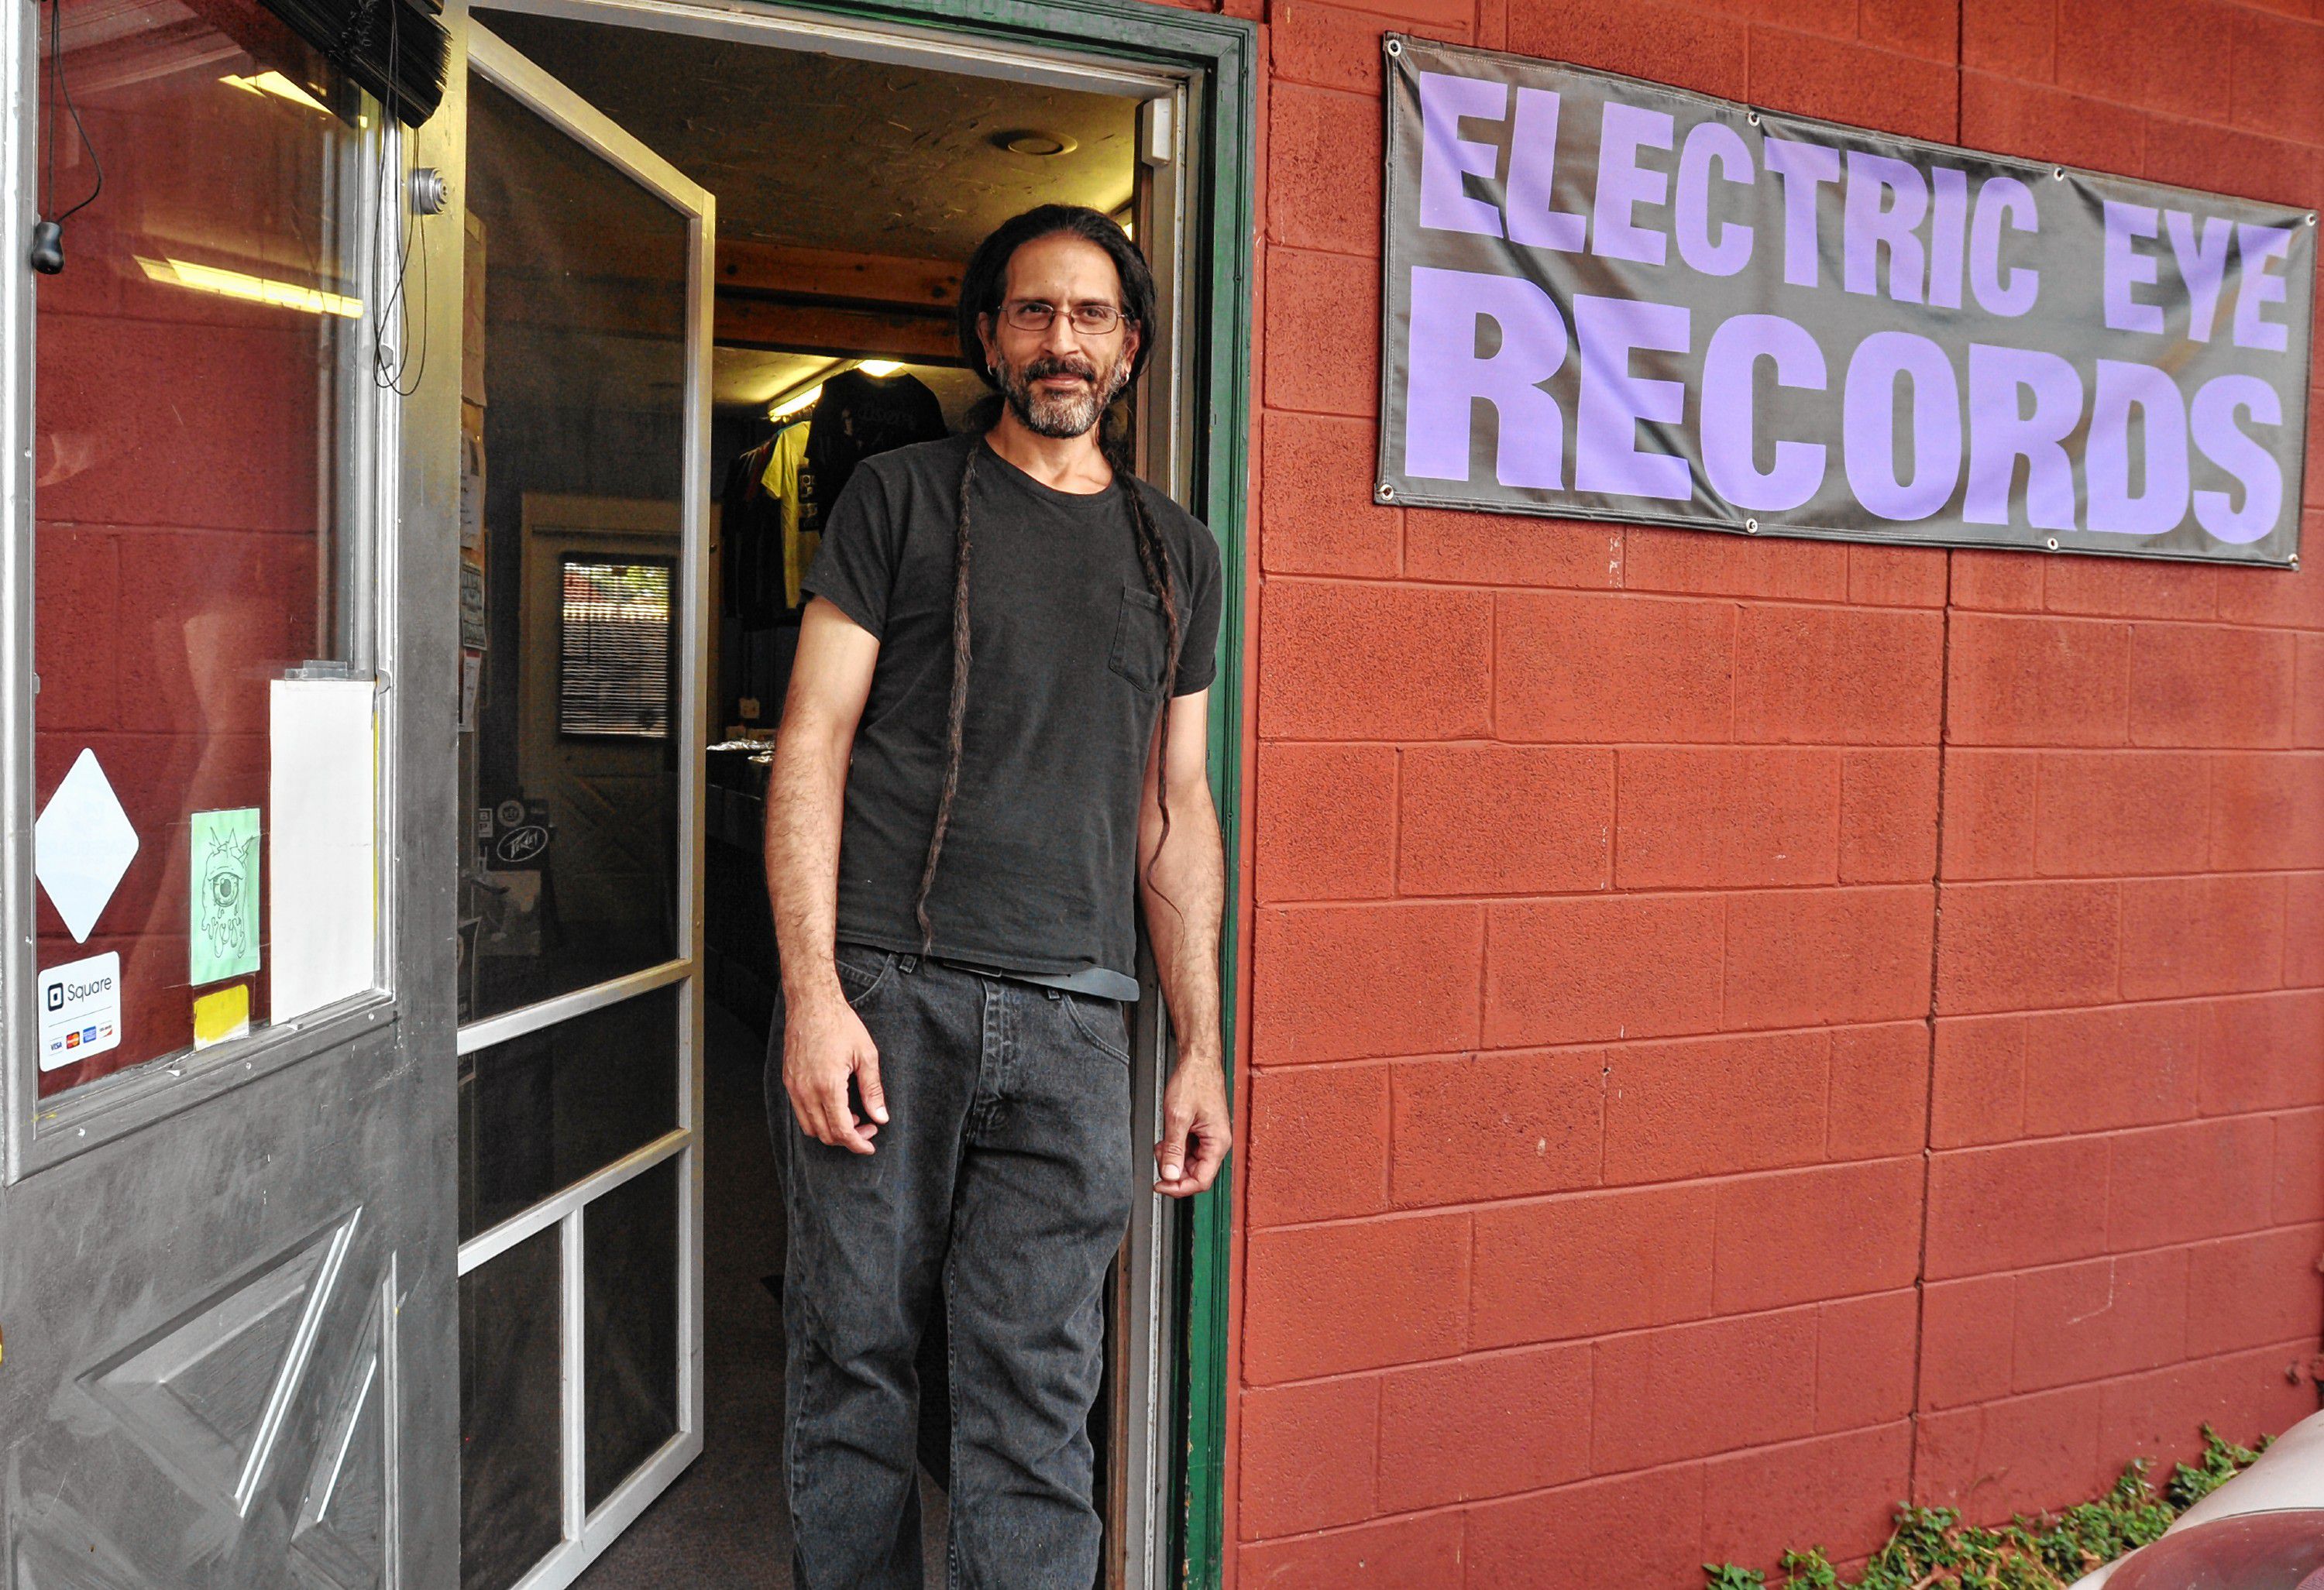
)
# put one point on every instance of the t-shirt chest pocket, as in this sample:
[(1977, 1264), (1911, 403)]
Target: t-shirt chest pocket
[(1139, 639)]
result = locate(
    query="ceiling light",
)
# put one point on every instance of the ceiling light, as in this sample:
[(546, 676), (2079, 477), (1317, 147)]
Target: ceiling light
[(276, 84), (1034, 141), (256, 290), (879, 366), (795, 402)]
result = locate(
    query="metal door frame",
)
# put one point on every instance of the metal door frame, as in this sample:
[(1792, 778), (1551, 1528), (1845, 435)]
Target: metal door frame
[(586, 1533), (1195, 75)]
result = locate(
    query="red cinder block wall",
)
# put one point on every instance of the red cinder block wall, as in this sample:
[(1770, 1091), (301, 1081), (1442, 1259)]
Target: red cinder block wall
[(1743, 1033)]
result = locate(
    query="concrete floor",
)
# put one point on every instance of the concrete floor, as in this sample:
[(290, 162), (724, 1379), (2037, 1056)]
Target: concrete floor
[(724, 1525)]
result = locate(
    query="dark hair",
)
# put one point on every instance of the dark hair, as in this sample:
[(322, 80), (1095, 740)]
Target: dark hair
[(981, 284)]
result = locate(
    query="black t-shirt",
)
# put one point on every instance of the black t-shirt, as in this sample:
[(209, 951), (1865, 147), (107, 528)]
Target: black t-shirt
[(1038, 873)]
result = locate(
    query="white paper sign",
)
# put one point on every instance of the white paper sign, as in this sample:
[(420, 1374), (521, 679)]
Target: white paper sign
[(81, 1010), (322, 829)]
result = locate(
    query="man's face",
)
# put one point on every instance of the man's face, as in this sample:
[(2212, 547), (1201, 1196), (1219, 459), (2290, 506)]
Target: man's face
[(1059, 380)]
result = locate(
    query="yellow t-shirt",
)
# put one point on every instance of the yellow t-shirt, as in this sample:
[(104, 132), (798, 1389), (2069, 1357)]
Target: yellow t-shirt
[(789, 481)]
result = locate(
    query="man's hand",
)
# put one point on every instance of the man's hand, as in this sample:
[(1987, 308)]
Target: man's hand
[(825, 1045), (1194, 1111)]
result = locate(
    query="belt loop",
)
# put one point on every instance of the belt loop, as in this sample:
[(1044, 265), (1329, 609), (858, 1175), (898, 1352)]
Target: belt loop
[(909, 965), (1054, 994)]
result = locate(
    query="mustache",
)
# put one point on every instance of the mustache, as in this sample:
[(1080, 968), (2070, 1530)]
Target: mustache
[(1042, 368)]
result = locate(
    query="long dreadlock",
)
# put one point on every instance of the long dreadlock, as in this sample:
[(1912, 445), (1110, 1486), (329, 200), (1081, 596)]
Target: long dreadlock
[(981, 289)]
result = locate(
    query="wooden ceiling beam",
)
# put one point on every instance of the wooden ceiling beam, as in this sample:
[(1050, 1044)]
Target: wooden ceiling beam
[(886, 281), (839, 332)]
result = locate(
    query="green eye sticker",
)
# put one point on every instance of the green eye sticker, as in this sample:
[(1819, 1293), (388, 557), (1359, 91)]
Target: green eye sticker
[(222, 931)]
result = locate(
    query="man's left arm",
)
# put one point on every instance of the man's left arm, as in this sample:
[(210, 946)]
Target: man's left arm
[(1182, 882)]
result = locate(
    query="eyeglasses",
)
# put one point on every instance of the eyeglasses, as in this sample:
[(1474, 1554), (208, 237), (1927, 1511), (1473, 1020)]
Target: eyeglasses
[(1089, 319)]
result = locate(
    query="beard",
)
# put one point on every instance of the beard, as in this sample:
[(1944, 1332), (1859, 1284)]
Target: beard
[(1060, 415)]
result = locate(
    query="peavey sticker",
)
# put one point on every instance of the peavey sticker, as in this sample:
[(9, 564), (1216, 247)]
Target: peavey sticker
[(81, 1010)]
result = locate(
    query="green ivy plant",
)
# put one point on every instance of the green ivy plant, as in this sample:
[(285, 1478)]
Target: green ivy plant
[(1931, 1549)]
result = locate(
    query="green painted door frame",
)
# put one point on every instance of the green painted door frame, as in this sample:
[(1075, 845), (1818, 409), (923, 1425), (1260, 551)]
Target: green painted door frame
[(1220, 182)]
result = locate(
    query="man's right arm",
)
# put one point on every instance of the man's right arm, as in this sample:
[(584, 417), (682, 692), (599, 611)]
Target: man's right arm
[(823, 1042)]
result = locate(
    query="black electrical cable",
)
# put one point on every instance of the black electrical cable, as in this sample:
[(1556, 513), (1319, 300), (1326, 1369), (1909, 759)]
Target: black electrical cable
[(49, 236), (399, 373)]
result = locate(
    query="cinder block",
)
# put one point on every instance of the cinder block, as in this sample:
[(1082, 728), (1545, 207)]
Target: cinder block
[(1588, 1265), (2130, 588), (1320, 194), (1799, 1237), (1800, 957), (1895, 576), (2289, 599), (2184, 1183), (1969, 1340), (1888, 816), (1866, 1349), (1609, 669), (1715, 1106), (1315, 1144), (1317, 515), (1488, 1426), (2026, 946), (2013, 36), (2016, 1205), (1505, 819), (1708, 563), (2246, 1292), (1846, 81), (1496, 1126), (2025, 681), (2127, 1065), (2265, 1051), (1979, 1092), (2299, 1162), (75, 646), (2243, 1396), (1685, 46), (1587, 1536), (2255, 166), (1326, 822), (2021, 1455), (2266, 811), (1308, 1456), (2174, 56), (1926, 28), (1837, 1492), (1315, 1303), (2304, 930), (1333, 48), (2215, 935), (1835, 675), (1995, 582), (1374, 661), (1721, 816), (1989, 812), (2308, 683), (1349, 982), (2200, 684), (1650, 1406), (1583, 969), (2105, 1317), (1510, 550), (1421, 1553), (2279, 76), (2108, 814), (1879, 1097), (2037, 122), (1312, 364)]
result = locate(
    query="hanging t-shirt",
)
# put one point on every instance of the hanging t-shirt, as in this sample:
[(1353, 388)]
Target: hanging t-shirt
[(858, 415), (790, 483)]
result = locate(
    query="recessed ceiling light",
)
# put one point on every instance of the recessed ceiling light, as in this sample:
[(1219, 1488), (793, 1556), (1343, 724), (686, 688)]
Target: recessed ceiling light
[(1033, 142)]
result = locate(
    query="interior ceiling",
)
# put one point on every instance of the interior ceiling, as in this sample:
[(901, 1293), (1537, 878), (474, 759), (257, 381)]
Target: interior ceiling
[(823, 151)]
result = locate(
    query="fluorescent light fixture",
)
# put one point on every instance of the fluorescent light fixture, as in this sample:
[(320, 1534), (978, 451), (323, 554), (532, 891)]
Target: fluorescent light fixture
[(256, 290), (276, 84), (795, 402), (879, 366)]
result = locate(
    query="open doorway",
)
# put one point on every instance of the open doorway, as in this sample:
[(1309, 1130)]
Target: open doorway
[(636, 520)]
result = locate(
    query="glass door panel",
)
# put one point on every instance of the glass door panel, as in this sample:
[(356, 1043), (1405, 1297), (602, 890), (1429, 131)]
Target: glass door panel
[(584, 528)]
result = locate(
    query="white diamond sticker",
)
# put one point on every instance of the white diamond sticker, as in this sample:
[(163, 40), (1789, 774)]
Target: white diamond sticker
[(82, 845)]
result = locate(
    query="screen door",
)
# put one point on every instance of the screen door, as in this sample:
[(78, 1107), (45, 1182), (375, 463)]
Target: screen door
[(584, 356)]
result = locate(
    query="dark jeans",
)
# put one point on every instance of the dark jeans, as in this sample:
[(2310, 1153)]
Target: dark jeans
[(1001, 1189)]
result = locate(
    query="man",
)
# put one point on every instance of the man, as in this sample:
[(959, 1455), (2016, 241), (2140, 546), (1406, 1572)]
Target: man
[(992, 752)]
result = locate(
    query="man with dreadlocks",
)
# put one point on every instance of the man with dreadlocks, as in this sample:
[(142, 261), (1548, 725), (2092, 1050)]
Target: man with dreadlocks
[(993, 753)]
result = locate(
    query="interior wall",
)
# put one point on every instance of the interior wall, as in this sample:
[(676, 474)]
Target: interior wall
[(1747, 1031)]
